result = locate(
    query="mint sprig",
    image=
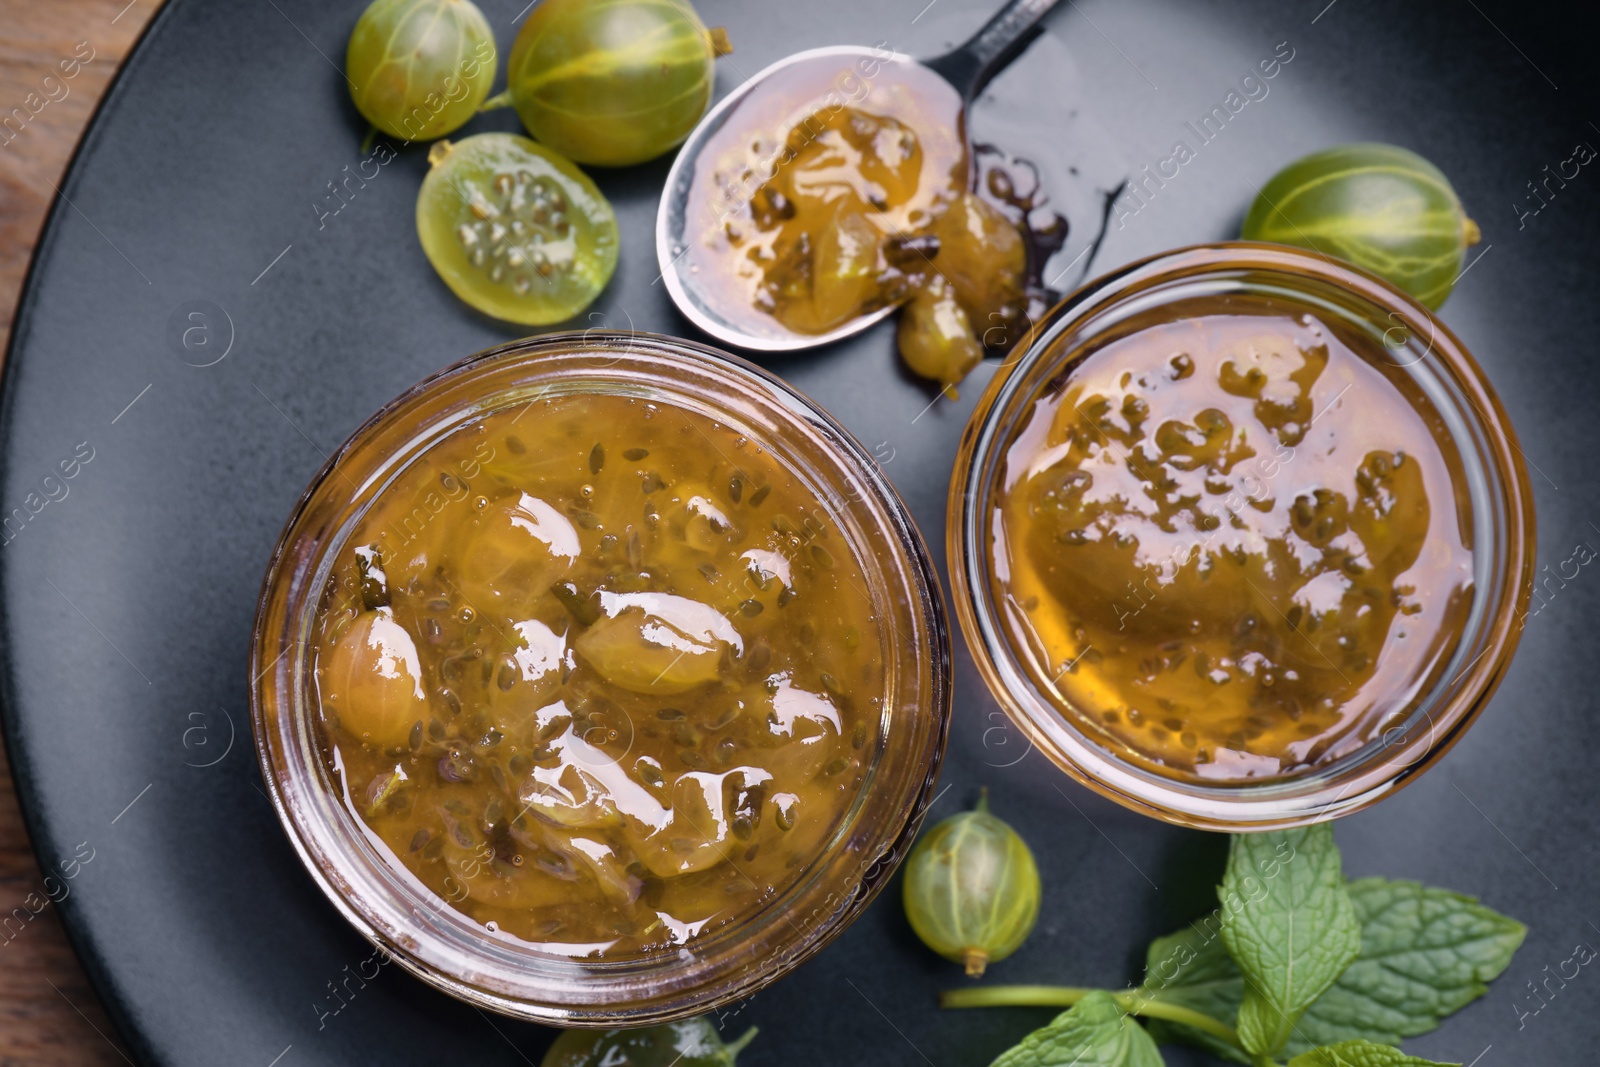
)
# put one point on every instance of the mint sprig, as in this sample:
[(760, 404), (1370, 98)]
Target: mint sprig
[(1338, 972)]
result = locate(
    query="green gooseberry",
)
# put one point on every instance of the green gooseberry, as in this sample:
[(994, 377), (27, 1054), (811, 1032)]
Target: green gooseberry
[(612, 82), (972, 889), (419, 69), (514, 229), (1383, 208), (687, 1043)]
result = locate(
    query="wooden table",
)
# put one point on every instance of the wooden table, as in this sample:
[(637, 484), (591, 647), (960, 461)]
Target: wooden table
[(48, 1014)]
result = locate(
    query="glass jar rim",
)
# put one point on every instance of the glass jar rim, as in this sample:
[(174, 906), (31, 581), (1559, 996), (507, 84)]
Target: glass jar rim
[(1501, 509), (412, 925)]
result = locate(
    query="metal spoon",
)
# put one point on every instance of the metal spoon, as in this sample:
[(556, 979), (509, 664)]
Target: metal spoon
[(956, 77)]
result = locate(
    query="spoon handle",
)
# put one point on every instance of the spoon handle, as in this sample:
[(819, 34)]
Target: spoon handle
[(970, 66)]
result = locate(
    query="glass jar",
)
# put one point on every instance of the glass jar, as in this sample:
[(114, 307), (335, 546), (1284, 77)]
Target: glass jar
[(484, 966), (1492, 505)]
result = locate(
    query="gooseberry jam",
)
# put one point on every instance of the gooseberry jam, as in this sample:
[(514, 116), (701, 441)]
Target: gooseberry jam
[(600, 672), (1231, 543), (866, 141), (842, 188), (1241, 538), (600, 679)]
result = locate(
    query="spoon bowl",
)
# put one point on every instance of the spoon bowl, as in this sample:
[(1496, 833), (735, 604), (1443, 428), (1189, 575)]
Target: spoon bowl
[(724, 162)]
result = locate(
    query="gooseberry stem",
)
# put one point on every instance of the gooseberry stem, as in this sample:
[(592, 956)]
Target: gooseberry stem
[(495, 102), (1143, 1002), (737, 1046)]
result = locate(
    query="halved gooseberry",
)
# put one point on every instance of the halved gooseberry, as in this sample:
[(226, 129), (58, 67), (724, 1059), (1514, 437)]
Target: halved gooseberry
[(515, 230)]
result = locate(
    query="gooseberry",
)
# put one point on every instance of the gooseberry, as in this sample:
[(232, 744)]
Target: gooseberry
[(982, 255), (612, 83), (377, 675), (419, 69), (935, 336), (972, 889), (514, 229), (1383, 208)]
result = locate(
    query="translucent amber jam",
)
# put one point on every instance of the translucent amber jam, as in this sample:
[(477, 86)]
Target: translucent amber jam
[(1230, 546), (601, 673), (868, 142), (839, 191)]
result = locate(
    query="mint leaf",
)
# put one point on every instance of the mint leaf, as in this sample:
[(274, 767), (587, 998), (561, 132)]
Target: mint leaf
[(1095, 1032), (1192, 969), (1425, 953), (1288, 922), (1361, 1054)]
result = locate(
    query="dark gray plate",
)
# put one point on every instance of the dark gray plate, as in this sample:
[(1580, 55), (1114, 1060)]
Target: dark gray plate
[(203, 187)]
